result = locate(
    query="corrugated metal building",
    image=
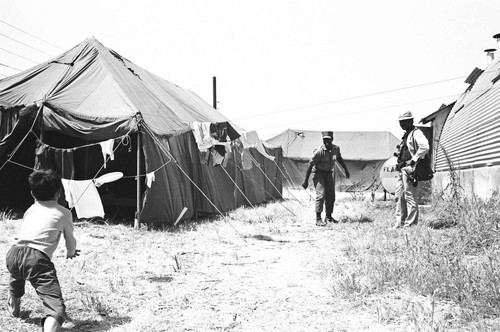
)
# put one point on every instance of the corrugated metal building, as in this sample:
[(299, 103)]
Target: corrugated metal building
[(437, 120), (470, 139)]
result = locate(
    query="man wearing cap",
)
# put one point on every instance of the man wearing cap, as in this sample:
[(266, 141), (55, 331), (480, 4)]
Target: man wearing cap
[(322, 165), (414, 146)]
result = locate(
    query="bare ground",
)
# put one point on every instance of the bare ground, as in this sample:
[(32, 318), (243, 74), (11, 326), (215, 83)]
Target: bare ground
[(226, 275)]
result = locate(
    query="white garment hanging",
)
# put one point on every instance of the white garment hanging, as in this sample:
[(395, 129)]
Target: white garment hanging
[(201, 132), (246, 159), (83, 195), (250, 139), (107, 149), (150, 177)]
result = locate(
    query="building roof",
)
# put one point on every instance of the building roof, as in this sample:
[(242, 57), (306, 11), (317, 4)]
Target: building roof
[(441, 109), (470, 136)]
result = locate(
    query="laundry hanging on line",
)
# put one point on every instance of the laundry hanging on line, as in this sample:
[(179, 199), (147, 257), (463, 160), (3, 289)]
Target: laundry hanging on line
[(84, 197)]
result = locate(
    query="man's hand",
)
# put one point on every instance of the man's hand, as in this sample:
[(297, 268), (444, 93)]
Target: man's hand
[(347, 174), (77, 253), (305, 184), (411, 162)]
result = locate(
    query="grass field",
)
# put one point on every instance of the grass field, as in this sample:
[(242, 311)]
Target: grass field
[(271, 269)]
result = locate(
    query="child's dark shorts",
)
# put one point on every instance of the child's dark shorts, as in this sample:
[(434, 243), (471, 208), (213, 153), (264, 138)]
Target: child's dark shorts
[(28, 264)]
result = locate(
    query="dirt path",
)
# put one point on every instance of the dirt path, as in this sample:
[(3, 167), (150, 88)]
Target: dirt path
[(250, 276), (262, 285)]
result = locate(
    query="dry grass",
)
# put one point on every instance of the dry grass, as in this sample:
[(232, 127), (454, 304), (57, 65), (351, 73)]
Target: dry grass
[(7, 214), (271, 269)]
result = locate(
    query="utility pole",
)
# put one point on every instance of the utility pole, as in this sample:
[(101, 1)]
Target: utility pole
[(214, 81)]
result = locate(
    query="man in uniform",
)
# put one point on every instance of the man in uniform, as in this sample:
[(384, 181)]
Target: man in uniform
[(414, 146), (322, 165)]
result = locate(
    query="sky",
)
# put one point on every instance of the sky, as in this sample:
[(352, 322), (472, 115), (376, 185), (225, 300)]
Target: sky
[(279, 64)]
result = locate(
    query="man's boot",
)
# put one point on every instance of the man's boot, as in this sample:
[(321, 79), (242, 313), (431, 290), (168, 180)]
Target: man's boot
[(329, 218), (319, 221)]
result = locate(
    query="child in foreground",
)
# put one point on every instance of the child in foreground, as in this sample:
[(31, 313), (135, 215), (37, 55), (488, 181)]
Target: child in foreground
[(29, 258)]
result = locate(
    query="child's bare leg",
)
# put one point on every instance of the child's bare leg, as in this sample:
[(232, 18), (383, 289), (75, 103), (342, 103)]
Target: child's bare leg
[(14, 305), (51, 325)]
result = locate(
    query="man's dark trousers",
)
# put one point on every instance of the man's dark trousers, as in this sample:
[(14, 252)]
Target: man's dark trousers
[(325, 191)]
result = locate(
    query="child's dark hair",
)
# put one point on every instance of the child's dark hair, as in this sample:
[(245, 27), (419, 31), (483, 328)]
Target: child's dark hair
[(44, 184)]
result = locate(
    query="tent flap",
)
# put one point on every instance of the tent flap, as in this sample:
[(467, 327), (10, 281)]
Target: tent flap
[(76, 126)]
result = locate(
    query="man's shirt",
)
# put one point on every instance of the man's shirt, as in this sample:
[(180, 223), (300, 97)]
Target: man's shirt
[(323, 160), (417, 144)]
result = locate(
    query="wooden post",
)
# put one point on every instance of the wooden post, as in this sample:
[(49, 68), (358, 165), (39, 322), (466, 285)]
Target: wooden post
[(137, 219), (214, 80)]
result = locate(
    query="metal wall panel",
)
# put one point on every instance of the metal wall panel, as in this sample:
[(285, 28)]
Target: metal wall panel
[(471, 134)]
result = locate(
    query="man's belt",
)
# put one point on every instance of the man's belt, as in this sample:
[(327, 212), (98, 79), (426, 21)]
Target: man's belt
[(323, 172)]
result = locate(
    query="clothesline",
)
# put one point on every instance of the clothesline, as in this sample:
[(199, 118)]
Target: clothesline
[(125, 137), (124, 177), (92, 183), (146, 174)]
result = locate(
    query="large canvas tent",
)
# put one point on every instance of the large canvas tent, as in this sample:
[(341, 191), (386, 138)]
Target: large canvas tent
[(91, 94), (363, 152)]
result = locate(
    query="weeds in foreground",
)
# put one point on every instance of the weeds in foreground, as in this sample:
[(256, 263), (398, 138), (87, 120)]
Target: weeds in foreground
[(279, 213), (7, 214), (96, 304), (448, 203), (459, 264), (177, 266)]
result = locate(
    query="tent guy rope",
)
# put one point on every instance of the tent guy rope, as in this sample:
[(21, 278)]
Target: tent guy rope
[(283, 174), (24, 138), (258, 185), (268, 179), (176, 163), (230, 178)]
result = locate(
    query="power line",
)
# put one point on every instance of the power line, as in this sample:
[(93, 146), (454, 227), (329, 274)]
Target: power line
[(351, 98), (342, 114), (29, 34), (3, 49), (1, 64), (20, 42), (361, 111), (3, 75)]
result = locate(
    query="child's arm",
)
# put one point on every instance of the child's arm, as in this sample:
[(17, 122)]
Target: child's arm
[(69, 238)]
